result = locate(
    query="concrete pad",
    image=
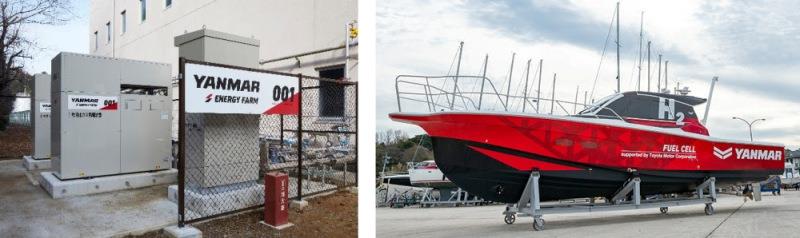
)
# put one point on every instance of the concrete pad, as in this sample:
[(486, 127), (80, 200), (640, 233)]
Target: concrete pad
[(183, 232), (28, 211), (35, 164), (59, 188), (281, 227), (774, 216)]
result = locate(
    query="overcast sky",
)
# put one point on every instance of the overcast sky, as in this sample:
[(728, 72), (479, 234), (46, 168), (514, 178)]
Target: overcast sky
[(751, 45)]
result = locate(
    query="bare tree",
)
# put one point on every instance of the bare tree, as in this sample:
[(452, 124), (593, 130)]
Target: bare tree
[(15, 46)]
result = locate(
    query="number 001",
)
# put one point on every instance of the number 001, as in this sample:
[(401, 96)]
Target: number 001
[(282, 93)]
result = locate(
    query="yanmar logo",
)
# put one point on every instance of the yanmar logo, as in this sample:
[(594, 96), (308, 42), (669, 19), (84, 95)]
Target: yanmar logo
[(748, 154), (209, 97), (723, 154)]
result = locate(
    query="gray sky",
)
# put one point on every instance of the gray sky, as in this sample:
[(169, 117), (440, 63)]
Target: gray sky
[(751, 45)]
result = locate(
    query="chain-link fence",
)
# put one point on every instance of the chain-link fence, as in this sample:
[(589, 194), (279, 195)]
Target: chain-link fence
[(226, 156), (15, 128)]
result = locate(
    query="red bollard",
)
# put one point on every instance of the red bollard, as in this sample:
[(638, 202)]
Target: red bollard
[(276, 200)]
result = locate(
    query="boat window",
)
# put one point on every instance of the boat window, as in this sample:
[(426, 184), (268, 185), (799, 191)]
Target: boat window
[(650, 107), (597, 104)]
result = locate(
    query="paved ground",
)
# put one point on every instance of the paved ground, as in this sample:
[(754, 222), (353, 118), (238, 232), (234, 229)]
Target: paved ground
[(774, 216), (27, 210)]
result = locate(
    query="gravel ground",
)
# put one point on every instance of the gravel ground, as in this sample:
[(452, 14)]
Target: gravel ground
[(15, 142), (335, 215)]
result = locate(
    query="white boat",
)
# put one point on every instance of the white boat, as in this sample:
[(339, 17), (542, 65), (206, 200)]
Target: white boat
[(427, 174)]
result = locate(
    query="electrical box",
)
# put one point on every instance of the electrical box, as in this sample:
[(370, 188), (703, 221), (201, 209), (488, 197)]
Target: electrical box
[(109, 116), (40, 115)]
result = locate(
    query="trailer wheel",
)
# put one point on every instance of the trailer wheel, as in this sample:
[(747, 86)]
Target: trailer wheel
[(538, 224), (510, 218), (709, 209), (663, 210)]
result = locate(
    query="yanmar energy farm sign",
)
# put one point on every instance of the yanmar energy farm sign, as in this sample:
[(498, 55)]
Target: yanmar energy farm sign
[(226, 90)]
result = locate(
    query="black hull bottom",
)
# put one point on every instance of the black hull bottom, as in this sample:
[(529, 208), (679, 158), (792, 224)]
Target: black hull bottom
[(494, 181)]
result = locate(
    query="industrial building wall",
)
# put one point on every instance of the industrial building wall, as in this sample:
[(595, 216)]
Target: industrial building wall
[(283, 27)]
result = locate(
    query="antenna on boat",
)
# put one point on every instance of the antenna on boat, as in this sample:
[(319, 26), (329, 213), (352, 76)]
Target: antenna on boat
[(458, 68), (483, 80), (525, 90), (618, 78), (710, 93), (641, 36), (510, 72), (553, 95), (575, 105), (666, 82)]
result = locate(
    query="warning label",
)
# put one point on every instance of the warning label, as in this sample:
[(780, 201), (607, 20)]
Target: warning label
[(92, 103)]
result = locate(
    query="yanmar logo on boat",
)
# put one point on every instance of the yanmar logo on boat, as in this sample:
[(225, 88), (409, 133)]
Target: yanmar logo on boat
[(723, 154), (748, 154)]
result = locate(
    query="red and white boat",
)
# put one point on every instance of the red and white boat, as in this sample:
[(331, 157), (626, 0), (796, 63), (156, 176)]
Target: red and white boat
[(654, 136)]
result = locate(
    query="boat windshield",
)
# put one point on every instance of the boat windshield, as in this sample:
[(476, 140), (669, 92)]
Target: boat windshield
[(597, 105)]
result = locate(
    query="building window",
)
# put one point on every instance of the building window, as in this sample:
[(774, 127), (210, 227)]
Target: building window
[(108, 32), (143, 9), (167, 3), (331, 98), (123, 15), (95, 41)]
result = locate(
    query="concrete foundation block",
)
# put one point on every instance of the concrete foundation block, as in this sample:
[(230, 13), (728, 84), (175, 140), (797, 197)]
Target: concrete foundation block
[(35, 164), (298, 204), (58, 188), (203, 202), (183, 232), (353, 190)]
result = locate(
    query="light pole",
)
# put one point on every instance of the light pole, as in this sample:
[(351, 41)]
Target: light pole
[(750, 125)]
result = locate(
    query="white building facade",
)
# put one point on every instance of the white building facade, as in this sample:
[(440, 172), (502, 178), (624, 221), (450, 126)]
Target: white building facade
[(145, 30), (296, 36)]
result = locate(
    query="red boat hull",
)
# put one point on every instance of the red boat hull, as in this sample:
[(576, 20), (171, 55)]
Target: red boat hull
[(491, 155)]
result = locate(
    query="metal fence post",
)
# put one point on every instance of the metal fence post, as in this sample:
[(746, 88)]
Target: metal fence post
[(300, 137), (181, 144)]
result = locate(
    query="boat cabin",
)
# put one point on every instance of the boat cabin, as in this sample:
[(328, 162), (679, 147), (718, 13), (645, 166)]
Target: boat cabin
[(651, 109)]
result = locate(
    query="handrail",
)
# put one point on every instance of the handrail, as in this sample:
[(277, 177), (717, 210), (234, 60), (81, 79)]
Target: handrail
[(430, 94)]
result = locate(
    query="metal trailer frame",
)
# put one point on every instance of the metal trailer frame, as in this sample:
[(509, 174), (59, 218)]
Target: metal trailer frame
[(529, 204), (460, 197)]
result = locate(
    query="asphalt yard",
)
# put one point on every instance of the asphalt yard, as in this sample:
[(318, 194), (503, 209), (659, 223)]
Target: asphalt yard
[(773, 216)]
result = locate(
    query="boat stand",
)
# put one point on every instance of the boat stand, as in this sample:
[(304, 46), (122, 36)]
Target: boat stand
[(627, 198), (457, 197)]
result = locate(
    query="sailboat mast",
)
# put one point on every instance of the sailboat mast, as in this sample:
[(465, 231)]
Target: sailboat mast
[(539, 88), (648, 65), (658, 85), (525, 90), (618, 78), (641, 36)]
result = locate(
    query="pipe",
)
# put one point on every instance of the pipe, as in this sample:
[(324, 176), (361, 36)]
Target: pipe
[(525, 90), (306, 54)]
